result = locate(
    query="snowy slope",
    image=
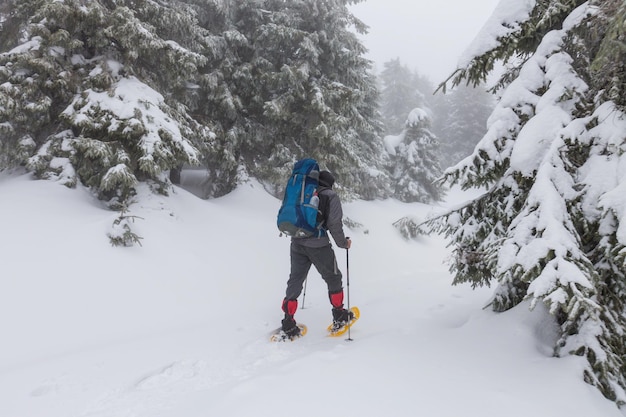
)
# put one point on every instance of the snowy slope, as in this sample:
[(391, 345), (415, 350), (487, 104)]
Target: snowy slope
[(178, 327)]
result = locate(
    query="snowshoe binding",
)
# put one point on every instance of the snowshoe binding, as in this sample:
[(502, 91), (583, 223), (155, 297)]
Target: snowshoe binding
[(289, 331), (342, 320)]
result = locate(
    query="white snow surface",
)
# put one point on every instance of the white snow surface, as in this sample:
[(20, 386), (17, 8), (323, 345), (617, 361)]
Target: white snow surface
[(504, 20), (137, 104), (391, 142), (416, 116), (179, 327)]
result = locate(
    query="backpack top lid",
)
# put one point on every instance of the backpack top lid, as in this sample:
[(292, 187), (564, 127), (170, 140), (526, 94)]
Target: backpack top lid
[(307, 166)]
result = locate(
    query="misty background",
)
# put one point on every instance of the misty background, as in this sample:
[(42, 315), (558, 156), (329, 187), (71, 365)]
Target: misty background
[(414, 47), (427, 36)]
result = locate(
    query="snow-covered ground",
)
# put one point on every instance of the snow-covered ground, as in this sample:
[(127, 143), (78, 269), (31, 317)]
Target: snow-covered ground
[(179, 327)]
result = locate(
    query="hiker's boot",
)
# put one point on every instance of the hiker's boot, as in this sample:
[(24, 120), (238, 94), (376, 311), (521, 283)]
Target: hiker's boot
[(290, 328), (341, 318)]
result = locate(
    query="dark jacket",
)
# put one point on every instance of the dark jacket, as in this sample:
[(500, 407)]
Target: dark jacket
[(332, 213)]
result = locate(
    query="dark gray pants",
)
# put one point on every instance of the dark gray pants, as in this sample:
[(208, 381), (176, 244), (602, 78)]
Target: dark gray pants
[(325, 262)]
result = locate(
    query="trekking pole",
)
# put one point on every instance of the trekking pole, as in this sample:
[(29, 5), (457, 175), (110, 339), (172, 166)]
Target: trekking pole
[(349, 339), (304, 293)]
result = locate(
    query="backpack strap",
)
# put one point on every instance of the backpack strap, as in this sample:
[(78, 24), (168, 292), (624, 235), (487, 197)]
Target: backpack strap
[(324, 207)]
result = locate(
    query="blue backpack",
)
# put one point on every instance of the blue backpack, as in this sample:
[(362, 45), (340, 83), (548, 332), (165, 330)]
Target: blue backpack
[(298, 214)]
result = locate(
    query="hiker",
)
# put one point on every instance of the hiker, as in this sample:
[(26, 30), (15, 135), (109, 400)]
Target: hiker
[(317, 250)]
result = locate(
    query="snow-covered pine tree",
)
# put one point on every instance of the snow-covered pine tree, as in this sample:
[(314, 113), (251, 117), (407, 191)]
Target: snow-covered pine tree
[(413, 154), (398, 95), (307, 91), (402, 91), (549, 226), (80, 100), (460, 121), (414, 160), (224, 91)]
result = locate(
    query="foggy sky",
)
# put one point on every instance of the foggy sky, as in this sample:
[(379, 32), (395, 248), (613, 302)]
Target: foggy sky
[(427, 36)]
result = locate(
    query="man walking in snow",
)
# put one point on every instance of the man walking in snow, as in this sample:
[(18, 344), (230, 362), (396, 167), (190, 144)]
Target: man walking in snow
[(317, 250)]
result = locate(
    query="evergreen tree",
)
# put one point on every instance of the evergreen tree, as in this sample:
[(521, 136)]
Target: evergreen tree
[(548, 227), (460, 121), (402, 91), (399, 95), (308, 91), (414, 160), (115, 93), (128, 61), (413, 154), (225, 93), (285, 80)]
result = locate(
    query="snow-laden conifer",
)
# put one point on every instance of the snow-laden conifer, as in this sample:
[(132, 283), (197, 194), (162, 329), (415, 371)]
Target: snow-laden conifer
[(547, 227), (307, 91), (460, 121), (81, 100), (414, 160), (399, 95)]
